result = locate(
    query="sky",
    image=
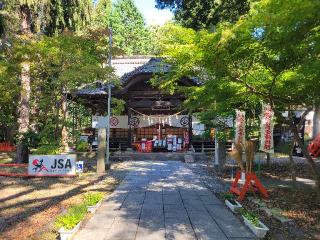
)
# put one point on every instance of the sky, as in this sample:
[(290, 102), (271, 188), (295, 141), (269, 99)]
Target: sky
[(151, 14)]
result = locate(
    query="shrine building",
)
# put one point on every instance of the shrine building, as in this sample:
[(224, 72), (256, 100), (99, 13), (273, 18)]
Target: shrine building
[(153, 120)]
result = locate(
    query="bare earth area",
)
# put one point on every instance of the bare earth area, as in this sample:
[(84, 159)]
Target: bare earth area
[(30, 205), (298, 202)]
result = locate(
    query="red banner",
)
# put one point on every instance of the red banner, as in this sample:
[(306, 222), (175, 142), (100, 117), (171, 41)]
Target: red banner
[(266, 129), (240, 127)]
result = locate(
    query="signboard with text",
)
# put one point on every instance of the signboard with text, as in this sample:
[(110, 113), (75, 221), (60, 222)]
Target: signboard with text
[(240, 136), (266, 129), (52, 165)]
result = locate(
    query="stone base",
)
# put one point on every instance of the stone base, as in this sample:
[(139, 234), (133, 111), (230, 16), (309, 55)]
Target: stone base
[(188, 158)]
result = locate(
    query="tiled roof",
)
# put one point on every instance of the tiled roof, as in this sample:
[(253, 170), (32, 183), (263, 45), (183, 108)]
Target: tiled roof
[(95, 91), (154, 65)]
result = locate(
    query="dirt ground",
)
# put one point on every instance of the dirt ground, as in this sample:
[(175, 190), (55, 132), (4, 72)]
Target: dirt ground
[(298, 202), (30, 205)]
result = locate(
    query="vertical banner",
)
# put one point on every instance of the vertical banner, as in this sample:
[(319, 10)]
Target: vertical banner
[(240, 127), (266, 129), (297, 151)]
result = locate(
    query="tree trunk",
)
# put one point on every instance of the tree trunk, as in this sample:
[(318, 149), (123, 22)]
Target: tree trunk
[(292, 165), (64, 131), (24, 117), (316, 122), (56, 120), (24, 104), (315, 171)]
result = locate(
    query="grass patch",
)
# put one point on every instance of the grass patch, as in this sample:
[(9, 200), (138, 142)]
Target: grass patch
[(76, 213), (92, 198)]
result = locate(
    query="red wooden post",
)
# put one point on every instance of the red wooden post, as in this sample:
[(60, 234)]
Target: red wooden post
[(251, 182)]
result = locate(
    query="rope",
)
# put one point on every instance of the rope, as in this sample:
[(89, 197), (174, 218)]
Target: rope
[(158, 116)]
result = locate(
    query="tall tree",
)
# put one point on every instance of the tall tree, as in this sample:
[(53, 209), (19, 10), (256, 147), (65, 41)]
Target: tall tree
[(26, 18), (101, 13), (199, 14), (129, 31), (269, 55)]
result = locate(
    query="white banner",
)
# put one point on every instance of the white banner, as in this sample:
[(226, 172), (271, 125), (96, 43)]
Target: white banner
[(52, 165), (138, 121), (115, 122), (145, 121), (266, 129), (240, 127)]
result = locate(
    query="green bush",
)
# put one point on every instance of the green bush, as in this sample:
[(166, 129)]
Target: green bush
[(47, 149), (82, 146), (250, 216), (92, 199), (74, 215)]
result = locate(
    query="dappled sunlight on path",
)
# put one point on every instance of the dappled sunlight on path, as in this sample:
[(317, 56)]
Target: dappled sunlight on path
[(163, 200)]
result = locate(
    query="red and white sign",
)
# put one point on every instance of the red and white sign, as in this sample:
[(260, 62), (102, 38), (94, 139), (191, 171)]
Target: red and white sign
[(240, 127), (114, 121), (266, 128), (52, 165)]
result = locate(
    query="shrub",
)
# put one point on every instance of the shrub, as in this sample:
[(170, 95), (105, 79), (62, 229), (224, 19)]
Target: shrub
[(82, 146), (251, 217), (47, 149), (93, 198), (74, 215)]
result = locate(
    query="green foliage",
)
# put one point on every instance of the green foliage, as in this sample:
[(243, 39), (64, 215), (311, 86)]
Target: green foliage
[(52, 149), (250, 216), (74, 215), (48, 16), (118, 106), (129, 31), (101, 13), (82, 146), (59, 64), (199, 14), (228, 196), (268, 55), (92, 198), (206, 134)]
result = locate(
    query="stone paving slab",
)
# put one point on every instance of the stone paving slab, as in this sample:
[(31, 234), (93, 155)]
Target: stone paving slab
[(162, 201)]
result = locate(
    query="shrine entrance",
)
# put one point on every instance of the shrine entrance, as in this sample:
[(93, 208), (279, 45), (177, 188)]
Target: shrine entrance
[(153, 120), (160, 138)]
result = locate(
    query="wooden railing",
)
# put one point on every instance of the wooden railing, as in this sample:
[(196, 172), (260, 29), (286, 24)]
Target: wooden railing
[(7, 147)]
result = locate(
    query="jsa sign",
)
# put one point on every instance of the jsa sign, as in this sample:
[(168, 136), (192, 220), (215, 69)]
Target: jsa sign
[(52, 165)]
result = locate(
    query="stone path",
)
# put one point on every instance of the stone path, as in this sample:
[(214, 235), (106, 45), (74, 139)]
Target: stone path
[(162, 200)]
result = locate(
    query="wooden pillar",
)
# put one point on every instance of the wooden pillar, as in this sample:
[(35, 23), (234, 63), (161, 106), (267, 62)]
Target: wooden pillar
[(316, 122), (73, 123), (129, 129), (102, 146), (190, 130)]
